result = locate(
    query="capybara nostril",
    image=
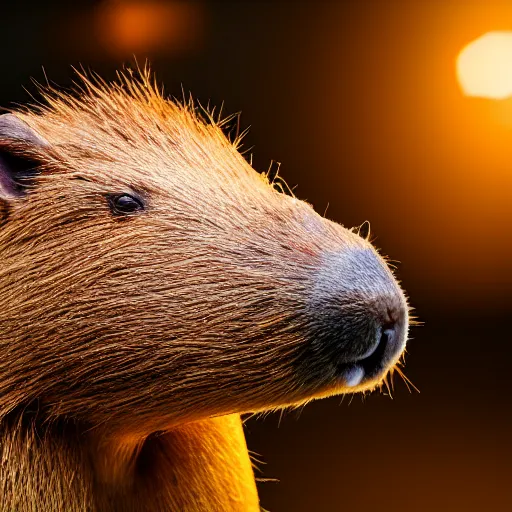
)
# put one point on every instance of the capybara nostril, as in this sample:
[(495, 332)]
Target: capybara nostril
[(384, 343), (387, 346)]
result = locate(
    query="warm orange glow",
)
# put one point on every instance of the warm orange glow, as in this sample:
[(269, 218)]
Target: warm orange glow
[(484, 66), (129, 27)]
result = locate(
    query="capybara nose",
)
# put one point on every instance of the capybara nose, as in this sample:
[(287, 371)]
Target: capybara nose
[(358, 317)]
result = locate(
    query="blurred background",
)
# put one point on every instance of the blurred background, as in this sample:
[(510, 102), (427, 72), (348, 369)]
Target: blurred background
[(361, 103)]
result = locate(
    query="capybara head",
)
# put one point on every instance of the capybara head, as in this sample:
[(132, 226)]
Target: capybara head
[(150, 276)]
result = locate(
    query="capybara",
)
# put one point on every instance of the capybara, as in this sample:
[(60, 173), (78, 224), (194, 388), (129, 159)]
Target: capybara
[(154, 287)]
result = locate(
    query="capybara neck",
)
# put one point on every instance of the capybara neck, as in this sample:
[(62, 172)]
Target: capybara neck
[(199, 466)]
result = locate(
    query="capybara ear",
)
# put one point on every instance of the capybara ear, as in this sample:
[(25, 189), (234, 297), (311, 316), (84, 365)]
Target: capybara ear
[(18, 155)]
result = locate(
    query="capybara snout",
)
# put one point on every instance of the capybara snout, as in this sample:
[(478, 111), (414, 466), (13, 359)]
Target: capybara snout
[(161, 278), (358, 318)]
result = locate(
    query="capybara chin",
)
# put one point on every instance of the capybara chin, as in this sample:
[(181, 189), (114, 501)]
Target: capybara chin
[(153, 288)]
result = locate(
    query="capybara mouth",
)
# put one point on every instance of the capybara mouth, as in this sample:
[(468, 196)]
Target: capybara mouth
[(376, 362)]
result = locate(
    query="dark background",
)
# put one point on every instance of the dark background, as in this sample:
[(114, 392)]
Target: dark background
[(360, 103)]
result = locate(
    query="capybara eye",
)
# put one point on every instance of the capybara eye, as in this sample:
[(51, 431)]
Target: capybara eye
[(122, 204)]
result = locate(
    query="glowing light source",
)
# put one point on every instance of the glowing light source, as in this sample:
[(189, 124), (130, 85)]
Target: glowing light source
[(128, 27), (484, 66)]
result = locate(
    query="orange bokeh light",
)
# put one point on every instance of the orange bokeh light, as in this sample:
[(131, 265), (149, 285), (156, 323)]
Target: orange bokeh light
[(484, 66), (133, 26)]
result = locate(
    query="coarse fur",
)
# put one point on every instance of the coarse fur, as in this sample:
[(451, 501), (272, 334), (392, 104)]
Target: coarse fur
[(132, 344)]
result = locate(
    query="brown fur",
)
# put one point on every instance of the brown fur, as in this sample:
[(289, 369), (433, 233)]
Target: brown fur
[(130, 346)]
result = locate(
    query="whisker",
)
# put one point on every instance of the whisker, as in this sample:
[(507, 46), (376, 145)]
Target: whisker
[(392, 378), (406, 380), (280, 418), (386, 383)]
